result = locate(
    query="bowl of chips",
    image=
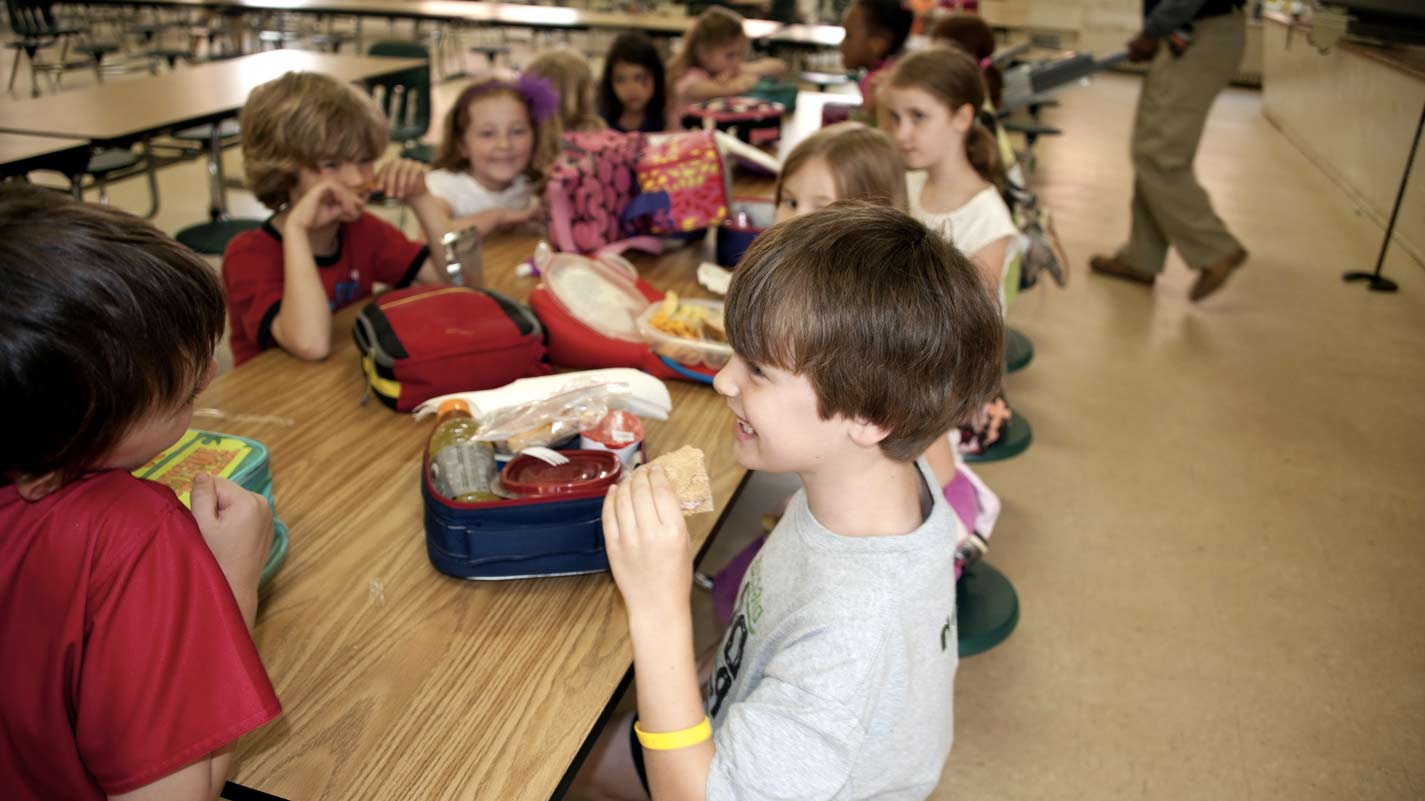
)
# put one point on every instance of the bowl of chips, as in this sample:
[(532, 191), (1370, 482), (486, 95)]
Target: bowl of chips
[(687, 330)]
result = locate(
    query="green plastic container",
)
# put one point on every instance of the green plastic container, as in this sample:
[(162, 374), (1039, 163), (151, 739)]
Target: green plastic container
[(241, 460), (784, 92)]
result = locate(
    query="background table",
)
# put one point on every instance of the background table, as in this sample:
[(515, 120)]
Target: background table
[(398, 682), (122, 112), (20, 153), (507, 14)]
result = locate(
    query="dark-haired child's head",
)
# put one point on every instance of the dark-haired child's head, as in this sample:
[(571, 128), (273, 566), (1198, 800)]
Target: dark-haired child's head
[(304, 126), (972, 34), (106, 336), (633, 79), (875, 31), (887, 321)]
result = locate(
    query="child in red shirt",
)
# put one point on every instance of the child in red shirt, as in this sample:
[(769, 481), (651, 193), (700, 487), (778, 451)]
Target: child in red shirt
[(309, 146), (129, 667)]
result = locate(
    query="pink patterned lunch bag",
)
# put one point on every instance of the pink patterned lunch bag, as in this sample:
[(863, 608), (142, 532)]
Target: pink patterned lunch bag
[(683, 185), (589, 186)]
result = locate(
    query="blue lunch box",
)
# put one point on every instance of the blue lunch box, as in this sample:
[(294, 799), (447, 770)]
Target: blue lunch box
[(509, 539)]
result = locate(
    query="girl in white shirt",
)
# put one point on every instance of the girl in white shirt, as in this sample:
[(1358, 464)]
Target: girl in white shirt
[(930, 104), (500, 136)]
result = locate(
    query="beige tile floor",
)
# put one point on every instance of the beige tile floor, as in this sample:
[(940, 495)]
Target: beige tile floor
[(1217, 534)]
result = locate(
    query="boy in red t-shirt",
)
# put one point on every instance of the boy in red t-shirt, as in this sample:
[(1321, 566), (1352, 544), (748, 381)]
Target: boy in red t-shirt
[(129, 669), (309, 146)]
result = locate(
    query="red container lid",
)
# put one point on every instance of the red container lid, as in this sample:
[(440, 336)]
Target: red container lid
[(617, 429), (587, 473)]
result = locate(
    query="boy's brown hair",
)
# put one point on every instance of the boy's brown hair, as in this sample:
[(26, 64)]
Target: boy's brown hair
[(301, 120), (105, 321), (864, 162), (888, 320)]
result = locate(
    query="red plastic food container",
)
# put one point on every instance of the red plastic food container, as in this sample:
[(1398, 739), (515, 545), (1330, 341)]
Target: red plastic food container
[(619, 432), (587, 473)]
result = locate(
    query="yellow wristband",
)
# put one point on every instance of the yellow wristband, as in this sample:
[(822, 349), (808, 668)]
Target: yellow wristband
[(673, 740)]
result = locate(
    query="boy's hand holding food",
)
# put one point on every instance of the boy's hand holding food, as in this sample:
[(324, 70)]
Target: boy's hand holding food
[(647, 542)]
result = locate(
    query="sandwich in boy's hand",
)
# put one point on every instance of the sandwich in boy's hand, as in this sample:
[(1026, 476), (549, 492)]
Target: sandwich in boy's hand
[(689, 478)]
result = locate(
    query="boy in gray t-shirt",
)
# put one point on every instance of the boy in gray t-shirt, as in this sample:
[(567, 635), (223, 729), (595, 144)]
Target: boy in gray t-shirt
[(859, 337)]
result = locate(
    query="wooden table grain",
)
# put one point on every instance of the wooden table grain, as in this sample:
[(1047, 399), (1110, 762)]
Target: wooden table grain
[(396, 681), (125, 111)]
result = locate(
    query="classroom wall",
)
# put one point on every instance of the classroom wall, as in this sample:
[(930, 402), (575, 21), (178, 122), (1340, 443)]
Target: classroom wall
[(1099, 25), (1354, 115)]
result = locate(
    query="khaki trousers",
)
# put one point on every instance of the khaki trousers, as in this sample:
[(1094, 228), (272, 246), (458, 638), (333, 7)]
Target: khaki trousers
[(1169, 206)]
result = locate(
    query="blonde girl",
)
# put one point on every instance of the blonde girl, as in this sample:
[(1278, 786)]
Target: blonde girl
[(931, 105), (570, 75), (845, 161), (500, 137), (710, 63)]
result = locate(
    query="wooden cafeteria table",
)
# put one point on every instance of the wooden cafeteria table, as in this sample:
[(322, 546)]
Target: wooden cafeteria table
[(20, 153), (398, 682), (122, 112), (508, 14)]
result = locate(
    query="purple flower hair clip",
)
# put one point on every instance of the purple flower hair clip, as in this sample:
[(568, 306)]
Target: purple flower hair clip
[(540, 94)]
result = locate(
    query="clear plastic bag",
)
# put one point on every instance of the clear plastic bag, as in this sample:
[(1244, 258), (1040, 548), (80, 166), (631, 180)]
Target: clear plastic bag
[(552, 419)]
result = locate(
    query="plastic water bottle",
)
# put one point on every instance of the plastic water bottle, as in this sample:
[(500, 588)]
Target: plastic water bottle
[(461, 468), (464, 265)]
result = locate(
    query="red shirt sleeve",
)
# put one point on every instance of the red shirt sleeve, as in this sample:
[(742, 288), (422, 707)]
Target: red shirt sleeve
[(170, 671), (396, 259), (253, 278)]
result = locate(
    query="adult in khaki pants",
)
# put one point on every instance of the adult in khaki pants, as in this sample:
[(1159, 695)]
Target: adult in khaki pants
[(1195, 47)]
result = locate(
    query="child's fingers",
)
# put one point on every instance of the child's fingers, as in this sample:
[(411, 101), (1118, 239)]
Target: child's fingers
[(643, 504), (665, 500), (204, 499), (610, 517), (630, 532), (231, 494), (352, 204), (411, 179)]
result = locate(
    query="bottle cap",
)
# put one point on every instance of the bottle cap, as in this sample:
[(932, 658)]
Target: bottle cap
[(452, 404)]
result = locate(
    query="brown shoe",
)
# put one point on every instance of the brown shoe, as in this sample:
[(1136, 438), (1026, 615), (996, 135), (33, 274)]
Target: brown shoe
[(1112, 266), (1211, 279)]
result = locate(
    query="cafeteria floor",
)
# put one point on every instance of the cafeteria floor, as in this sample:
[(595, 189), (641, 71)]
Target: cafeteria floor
[(1216, 535)]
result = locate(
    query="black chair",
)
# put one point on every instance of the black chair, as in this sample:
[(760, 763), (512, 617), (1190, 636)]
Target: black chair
[(405, 97), (35, 27), (212, 237), (34, 23)]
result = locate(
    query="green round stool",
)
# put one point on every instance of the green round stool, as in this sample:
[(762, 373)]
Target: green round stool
[(986, 607), (212, 237), (1014, 441), (1018, 350)]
